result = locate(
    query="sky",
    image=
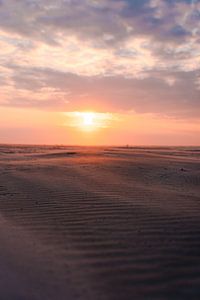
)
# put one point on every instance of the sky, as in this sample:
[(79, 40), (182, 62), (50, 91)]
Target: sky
[(100, 72)]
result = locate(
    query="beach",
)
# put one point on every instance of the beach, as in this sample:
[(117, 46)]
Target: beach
[(99, 222)]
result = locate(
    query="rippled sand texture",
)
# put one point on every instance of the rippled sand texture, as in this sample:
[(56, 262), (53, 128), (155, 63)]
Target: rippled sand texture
[(99, 223)]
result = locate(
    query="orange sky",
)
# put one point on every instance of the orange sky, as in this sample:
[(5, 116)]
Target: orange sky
[(35, 126)]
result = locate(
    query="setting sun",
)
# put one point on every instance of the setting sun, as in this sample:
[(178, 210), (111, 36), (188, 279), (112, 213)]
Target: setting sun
[(89, 121)]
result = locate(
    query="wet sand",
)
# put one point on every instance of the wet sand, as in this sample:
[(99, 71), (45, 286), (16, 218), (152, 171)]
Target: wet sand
[(99, 223)]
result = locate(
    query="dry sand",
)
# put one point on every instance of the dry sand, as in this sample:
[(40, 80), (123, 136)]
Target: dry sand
[(99, 223)]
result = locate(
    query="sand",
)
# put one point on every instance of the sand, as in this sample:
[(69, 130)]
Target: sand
[(99, 223)]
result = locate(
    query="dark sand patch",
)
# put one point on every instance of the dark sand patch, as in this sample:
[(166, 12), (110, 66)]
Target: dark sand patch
[(55, 155)]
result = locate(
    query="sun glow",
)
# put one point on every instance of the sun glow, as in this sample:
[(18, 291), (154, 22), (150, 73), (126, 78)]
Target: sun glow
[(88, 120)]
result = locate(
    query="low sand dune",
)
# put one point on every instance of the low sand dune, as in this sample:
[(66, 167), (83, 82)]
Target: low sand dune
[(99, 223), (55, 154)]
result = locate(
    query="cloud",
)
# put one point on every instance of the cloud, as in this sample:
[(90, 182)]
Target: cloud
[(123, 54), (106, 21), (167, 93)]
